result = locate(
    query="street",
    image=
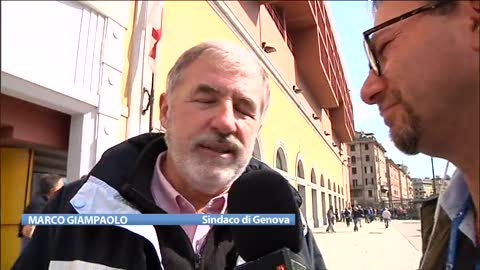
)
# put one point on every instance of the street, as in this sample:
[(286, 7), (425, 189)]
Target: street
[(373, 247)]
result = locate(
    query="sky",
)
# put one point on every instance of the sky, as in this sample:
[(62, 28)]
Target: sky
[(350, 19)]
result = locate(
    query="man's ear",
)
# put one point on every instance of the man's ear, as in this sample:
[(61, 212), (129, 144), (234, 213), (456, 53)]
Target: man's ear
[(164, 109)]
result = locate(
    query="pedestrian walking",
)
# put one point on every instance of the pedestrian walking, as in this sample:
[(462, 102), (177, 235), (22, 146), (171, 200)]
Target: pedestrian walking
[(330, 219), (357, 217), (348, 216), (386, 217)]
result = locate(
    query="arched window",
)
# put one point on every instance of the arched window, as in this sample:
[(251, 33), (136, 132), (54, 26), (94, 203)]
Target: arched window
[(256, 150), (281, 160), (313, 177), (334, 187), (329, 185), (300, 172), (322, 182)]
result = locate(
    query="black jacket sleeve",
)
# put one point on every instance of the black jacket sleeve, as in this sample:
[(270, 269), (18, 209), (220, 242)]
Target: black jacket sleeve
[(313, 253)]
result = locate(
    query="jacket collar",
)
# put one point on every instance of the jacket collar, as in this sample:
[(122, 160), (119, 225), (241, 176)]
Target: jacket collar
[(452, 200), (137, 187), (128, 168)]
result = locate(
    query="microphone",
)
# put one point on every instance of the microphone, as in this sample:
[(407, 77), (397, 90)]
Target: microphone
[(266, 247)]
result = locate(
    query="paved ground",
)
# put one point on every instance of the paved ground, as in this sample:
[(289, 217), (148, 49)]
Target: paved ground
[(373, 247)]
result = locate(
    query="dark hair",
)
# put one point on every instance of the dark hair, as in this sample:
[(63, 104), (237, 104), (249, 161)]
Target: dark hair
[(442, 10), (48, 182)]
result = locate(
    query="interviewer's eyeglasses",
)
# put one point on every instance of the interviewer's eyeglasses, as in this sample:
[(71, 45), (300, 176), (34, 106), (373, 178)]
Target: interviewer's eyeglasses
[(367, 35)]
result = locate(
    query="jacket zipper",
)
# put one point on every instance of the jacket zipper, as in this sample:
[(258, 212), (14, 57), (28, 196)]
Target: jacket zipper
[(197, 256), (197, 259)]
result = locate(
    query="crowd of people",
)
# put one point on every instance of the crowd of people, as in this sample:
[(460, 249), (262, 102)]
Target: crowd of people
[(358, 213)]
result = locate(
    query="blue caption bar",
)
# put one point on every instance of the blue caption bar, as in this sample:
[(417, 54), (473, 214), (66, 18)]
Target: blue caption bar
[(159, 219)]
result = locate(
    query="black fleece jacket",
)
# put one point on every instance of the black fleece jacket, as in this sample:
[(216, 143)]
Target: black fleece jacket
[(128, 169)]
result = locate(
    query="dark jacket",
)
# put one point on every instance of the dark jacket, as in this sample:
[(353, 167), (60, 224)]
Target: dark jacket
[(120, 183), (36, 206), (357, 214), (435, 242)]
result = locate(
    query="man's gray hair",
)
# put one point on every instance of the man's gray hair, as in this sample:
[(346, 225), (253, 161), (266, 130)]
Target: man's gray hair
[(229, 56)]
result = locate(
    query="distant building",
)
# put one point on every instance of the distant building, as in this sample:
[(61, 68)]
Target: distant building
[(397, 183), (368, 174), (422, 188), (441, 185), (406, 193)]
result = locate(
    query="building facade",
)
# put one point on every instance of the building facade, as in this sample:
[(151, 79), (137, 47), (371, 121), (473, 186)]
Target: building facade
[(405, 185), (83, 87), (368, 171), (393, 179), (441, 185)]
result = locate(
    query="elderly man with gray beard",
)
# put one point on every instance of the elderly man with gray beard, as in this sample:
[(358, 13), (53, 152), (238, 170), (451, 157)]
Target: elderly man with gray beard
[(216, 98)]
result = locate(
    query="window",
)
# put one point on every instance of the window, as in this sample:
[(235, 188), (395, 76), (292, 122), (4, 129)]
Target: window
[(316, 221), (281, 160), (371, 169), (355, 182), (342, 190), (370, 193), (365, 169), (352, 147), (354, 160), (322, 183), (313, 177), (256, 150), (372, 181), (334, 188), (329, 186), (300, 172), (366, 181), (367, 158), (366, 146), (354, 170)]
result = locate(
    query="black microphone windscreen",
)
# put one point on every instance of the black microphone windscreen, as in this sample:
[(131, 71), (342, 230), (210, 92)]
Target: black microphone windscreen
[(264, 192)]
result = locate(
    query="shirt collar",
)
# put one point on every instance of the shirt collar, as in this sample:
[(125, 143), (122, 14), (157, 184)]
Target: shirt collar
[(452, 201), (169, 199)]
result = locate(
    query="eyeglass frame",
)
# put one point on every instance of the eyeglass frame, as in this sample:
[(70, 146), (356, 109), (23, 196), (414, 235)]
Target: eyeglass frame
[(369, 46)]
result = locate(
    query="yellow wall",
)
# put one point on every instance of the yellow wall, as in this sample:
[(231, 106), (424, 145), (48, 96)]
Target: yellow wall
[(16, 168), (285, 123)]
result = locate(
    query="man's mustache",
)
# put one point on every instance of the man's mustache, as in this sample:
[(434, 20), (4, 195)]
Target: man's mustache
[(230, 141)]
